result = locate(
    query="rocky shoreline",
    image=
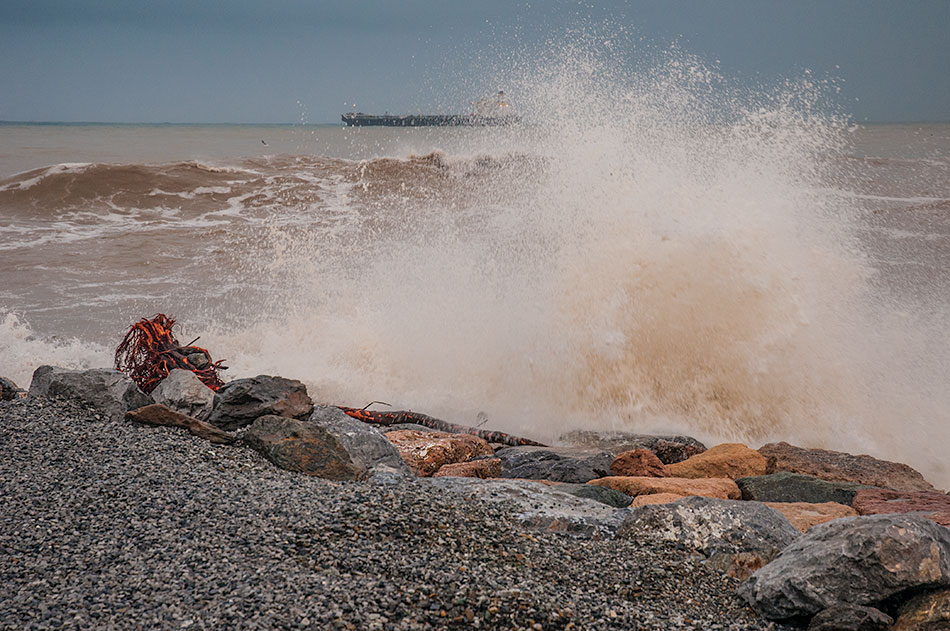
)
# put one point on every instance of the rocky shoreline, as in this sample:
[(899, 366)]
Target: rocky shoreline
[(270, 512)]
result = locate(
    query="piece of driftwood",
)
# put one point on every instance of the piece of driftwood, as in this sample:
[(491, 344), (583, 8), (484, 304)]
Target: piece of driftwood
[(400, 416), (149, 351)]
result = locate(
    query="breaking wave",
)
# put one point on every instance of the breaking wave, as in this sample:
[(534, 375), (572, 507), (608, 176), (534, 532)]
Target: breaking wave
[(666, 252)]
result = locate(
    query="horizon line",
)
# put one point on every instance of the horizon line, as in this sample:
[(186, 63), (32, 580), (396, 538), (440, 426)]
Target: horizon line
[(339, 123)]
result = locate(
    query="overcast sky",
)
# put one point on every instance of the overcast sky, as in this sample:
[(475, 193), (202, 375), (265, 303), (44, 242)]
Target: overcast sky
[(305, 60)]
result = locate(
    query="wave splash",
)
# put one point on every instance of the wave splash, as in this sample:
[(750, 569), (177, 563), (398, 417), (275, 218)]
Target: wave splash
[(662, 254)]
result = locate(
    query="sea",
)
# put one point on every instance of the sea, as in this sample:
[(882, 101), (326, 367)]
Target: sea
[(739, 273)]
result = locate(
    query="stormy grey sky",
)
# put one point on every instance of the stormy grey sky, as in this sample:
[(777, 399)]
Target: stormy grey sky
[(303, 60)]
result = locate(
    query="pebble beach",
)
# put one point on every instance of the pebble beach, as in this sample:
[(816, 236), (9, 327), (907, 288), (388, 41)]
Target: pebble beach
[(108, 525)]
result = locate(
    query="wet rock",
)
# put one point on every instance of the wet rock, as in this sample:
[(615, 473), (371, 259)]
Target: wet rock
[(560, 464), (329, 445), (237, 403), (925, 612), (367, 448), (855, 560), (540, 506), (668, 449), (931, 504), (850, 618), (427, 452), (843, 467), (729, 460), (804, 515), (655, 498), (796, 487), (109, 391), (9, 390), (721, 488), (638, 462), (198, 360), (600, 494), (158, 414), (482, 468), (720, 529), (183, 392)]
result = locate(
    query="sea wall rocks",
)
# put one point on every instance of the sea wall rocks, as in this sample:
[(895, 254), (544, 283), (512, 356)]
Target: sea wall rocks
[(560, 464), (9, 390), (721, 488), (638, 462), (237, 403), (427, 452), (158, 414), (931, 504), (328, 445), (850, 618), (843, 467), (183, 392), (929, 611), (797, 487), (109, 391), (718, 528), (857, 561), (541, 507), (484, 468), (668, 449), (729, 460), (804, 515)]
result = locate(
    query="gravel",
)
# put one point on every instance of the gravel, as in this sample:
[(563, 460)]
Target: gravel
[(109, 525)]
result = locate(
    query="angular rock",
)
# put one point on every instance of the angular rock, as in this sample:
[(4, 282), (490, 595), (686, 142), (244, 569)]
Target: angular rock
[(931, 504), (729, 460), (655, 498), (237, 403), (855, 560), (9, 390), (796, 487), (367, 449), (183, 392), (109, 391), (427, 452), (328, 445), (638, 462), (738, 565), (482, 468), (600, 494), (925, 612), (560, 464), (843, 467), (668, 449), (712, 526), (721, 488), (158, 414), (540, 506), (850, 618), (804, 515)]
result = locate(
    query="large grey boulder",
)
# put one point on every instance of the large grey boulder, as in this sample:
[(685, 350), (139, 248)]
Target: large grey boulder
[(539, 506), (559, 464), (328, 445), (668, 448), (109, 391), (737, 537), (602, 494), (183, 392), (854, 560), (237, 403), (797, 487)]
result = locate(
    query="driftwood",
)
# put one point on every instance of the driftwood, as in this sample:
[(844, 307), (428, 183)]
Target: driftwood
[(397, 417), (149, 351)]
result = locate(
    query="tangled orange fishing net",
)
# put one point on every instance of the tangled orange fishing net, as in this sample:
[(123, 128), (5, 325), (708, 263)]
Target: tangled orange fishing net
[(149, 351)]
